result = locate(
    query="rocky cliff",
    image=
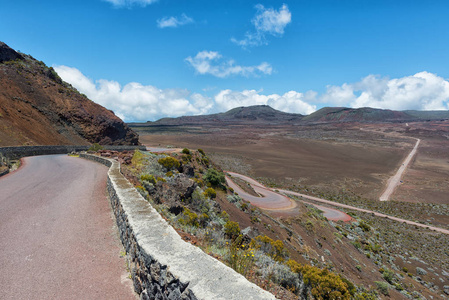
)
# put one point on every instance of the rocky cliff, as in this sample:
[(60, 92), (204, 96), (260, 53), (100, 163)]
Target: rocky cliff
[(38, 108)]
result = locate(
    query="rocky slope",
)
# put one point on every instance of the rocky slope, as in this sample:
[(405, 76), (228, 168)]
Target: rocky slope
[(38, 108)]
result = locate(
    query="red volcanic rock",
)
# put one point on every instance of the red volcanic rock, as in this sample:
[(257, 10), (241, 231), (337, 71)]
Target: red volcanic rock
[(38, 108)]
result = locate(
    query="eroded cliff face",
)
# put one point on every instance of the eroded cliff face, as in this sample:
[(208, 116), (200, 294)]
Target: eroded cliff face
[(38, 108)]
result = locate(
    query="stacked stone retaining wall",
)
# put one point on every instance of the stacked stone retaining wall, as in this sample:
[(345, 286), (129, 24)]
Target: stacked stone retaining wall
[(162, 265)]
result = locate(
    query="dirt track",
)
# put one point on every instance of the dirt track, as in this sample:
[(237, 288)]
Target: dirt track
[(275, 201), (394, 181), (57, 234), (336, 204)]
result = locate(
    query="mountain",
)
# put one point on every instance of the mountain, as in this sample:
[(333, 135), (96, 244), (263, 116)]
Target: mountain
[(263, 114), (365, 114), (429, 114), (239, 115), (38, 108)]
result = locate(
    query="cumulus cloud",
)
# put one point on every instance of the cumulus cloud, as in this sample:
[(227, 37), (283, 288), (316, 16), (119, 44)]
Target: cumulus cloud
[(267, 21), (422, 91), (211, 62), (138, 102), (134, 101), (130, 3), (174, 22), (292, 101)]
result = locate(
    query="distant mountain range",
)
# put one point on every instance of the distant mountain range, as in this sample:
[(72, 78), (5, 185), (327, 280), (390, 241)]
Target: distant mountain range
[(38, 108), (263, 114)]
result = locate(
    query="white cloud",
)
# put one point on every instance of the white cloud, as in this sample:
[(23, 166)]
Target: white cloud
[(422, 91), (266, 21), (137, 102), (174, 21), (134, 101), (130, 3), (211, 62), (292, 101)]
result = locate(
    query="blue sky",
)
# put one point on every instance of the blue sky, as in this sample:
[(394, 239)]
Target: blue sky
[(147, 59)]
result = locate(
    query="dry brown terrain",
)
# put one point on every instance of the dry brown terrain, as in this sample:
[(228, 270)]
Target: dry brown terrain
[(324, 157), (348, 163)]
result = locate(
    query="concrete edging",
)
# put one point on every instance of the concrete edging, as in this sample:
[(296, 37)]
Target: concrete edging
[(163, 266)]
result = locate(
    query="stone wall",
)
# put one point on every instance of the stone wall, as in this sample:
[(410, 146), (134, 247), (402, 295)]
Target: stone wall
[(22, 151), (162, 265)]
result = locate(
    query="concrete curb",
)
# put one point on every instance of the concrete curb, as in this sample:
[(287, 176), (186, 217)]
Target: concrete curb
[(163, 266)]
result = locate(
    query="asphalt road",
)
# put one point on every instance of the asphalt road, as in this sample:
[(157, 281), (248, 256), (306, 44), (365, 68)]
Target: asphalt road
[(57, 235)]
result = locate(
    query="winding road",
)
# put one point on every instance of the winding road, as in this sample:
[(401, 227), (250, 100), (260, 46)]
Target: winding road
[(395, 180), (57, 234), (271, 200), (333, 214)]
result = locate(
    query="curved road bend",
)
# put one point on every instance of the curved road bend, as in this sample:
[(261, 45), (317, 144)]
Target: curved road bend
[(276, 201), (268, 199), (394, 181), (57, 234), (336, 204)]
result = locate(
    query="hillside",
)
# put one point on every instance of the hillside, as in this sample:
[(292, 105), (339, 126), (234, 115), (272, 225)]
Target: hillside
[(38, 108), (243, 115), (365, 114), (264, 114)]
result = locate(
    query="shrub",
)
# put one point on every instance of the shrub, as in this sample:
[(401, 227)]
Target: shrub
[(240, 257), (382, 287), (95, 147), (214, 177), (275, 249), (232, 229), (210, 193), (137, 159), (148, 177), (365, 227), (189, 218), (201, 152), (388, 275), (169, 162), (324, 284), (185, 151)]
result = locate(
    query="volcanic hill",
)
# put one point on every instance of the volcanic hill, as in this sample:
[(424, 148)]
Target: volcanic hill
[(266, 115), (251, 114), (38, 108)]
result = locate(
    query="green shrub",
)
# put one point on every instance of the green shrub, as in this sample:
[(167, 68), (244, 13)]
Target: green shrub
[(185, 151), (365, 227), (210, 193), (95, 147), (232, 229), (148, 177), (189, 218), (275, 249), (169, 162), (214, 177), (382, 287), (388, 275), (137, 159), (201, 152), (324, 284)]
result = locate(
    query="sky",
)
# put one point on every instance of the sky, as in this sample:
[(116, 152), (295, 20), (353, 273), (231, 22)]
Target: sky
[(149, 59)]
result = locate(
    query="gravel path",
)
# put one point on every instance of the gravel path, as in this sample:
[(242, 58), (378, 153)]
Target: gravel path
[(274, 201), (57, 235), (394, 181), (336, 213)]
